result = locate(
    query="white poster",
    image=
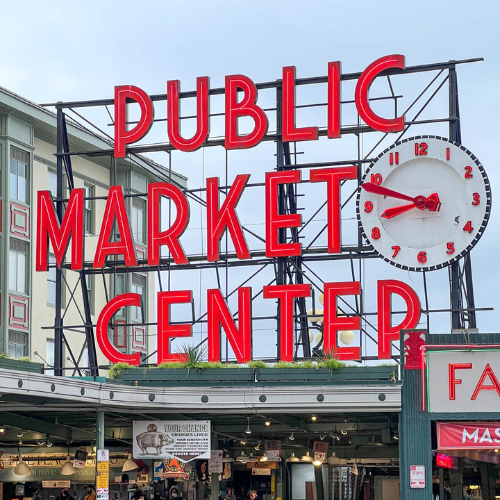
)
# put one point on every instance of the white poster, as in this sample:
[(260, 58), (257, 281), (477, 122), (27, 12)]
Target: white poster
[(185, 440), (215, 464)]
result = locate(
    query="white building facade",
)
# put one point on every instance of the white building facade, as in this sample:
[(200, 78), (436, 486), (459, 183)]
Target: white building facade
[(28, 165)]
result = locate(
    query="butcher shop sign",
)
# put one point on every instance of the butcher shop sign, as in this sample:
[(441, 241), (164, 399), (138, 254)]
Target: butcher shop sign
[(185, 440)]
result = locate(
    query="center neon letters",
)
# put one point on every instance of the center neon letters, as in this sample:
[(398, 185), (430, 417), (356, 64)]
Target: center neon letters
[(247, 106)]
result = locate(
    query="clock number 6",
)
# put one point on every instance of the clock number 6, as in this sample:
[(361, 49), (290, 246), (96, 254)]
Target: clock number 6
[(375, 233), (475, 199), (422, 257), (396, 251)]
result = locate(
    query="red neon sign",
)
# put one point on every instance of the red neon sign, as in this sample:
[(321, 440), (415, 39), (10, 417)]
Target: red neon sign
[(247, 106)]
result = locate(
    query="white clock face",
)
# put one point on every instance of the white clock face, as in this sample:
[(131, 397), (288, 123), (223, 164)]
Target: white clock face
[(424, 203)]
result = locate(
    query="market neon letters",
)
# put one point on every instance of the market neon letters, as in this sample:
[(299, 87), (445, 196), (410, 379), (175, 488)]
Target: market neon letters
[(248, 106)]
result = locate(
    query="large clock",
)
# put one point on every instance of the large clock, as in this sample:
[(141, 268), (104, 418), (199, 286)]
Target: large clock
[(424, 203)]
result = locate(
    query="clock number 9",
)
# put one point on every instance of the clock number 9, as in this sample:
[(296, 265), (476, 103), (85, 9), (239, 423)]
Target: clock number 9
[(368, 206), (375, 233), (422, 257), (475, 199)]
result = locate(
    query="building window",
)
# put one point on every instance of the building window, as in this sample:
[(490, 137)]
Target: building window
[(51, 282), (49, 355), (89, 209), (18, 263), (138, 286), (118, 284), (16, 345), (89, 278), (19, 161), (139, 220), (52, 183)]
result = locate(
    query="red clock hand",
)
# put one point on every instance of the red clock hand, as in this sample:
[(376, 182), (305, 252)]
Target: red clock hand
[(373, 188), (394, 211)]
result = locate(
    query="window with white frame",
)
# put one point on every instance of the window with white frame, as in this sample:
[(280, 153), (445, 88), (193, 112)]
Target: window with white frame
[(52, 183), (18, 179), (138, 286), (18, 266), (89, 208), (138, 220), (51, 282), (49, 355), (89, 278), (16, 344)]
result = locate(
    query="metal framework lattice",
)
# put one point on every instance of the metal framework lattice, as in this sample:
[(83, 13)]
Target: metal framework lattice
[(285, 270)]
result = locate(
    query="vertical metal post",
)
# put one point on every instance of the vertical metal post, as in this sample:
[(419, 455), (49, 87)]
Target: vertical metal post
[(100, 429), (318, 478), (281, 265), (287, 203), (457, 284), (58, 322)]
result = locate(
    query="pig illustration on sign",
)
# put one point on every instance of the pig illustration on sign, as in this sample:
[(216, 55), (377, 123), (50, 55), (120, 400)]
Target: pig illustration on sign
[(154, 440)]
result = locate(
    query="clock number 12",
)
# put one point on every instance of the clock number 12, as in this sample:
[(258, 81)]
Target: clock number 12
[(420, 149)]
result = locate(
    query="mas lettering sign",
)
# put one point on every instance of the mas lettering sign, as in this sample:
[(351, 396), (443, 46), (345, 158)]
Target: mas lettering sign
[(463, 381), (468, 435)]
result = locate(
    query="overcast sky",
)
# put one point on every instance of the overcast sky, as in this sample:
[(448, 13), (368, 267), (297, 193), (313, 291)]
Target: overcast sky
[(61, 51)]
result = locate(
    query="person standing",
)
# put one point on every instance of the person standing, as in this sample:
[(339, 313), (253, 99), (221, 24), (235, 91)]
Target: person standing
[(65, 495), (90, 493)]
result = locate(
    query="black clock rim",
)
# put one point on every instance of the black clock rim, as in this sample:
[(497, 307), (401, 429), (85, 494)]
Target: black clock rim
[(479, 233)]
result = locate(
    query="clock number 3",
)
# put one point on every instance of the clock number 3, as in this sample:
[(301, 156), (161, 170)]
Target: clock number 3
[(475, 199), (375, 233)]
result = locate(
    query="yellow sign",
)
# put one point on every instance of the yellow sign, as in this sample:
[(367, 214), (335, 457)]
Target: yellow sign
[(102, 466), (102, 481)]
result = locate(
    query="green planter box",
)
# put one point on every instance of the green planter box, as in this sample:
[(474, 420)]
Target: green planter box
[(22, 366), (183, 376), (311, 376)]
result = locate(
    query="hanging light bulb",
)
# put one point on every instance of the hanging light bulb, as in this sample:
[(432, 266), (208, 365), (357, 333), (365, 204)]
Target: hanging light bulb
[(248, 431), (243, 442), (20, 434), (317, 462), (252, 459), (68, 468), (22, 469), (2, 429), (264, 457), (226, 459), (267, 423), (291, 437), (354, 469), (293, 458), (242, 458), (306, 458), (314, 418), (129, 464), (257, 448)]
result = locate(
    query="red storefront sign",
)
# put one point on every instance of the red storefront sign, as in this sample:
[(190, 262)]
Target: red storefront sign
[(468, 435)]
